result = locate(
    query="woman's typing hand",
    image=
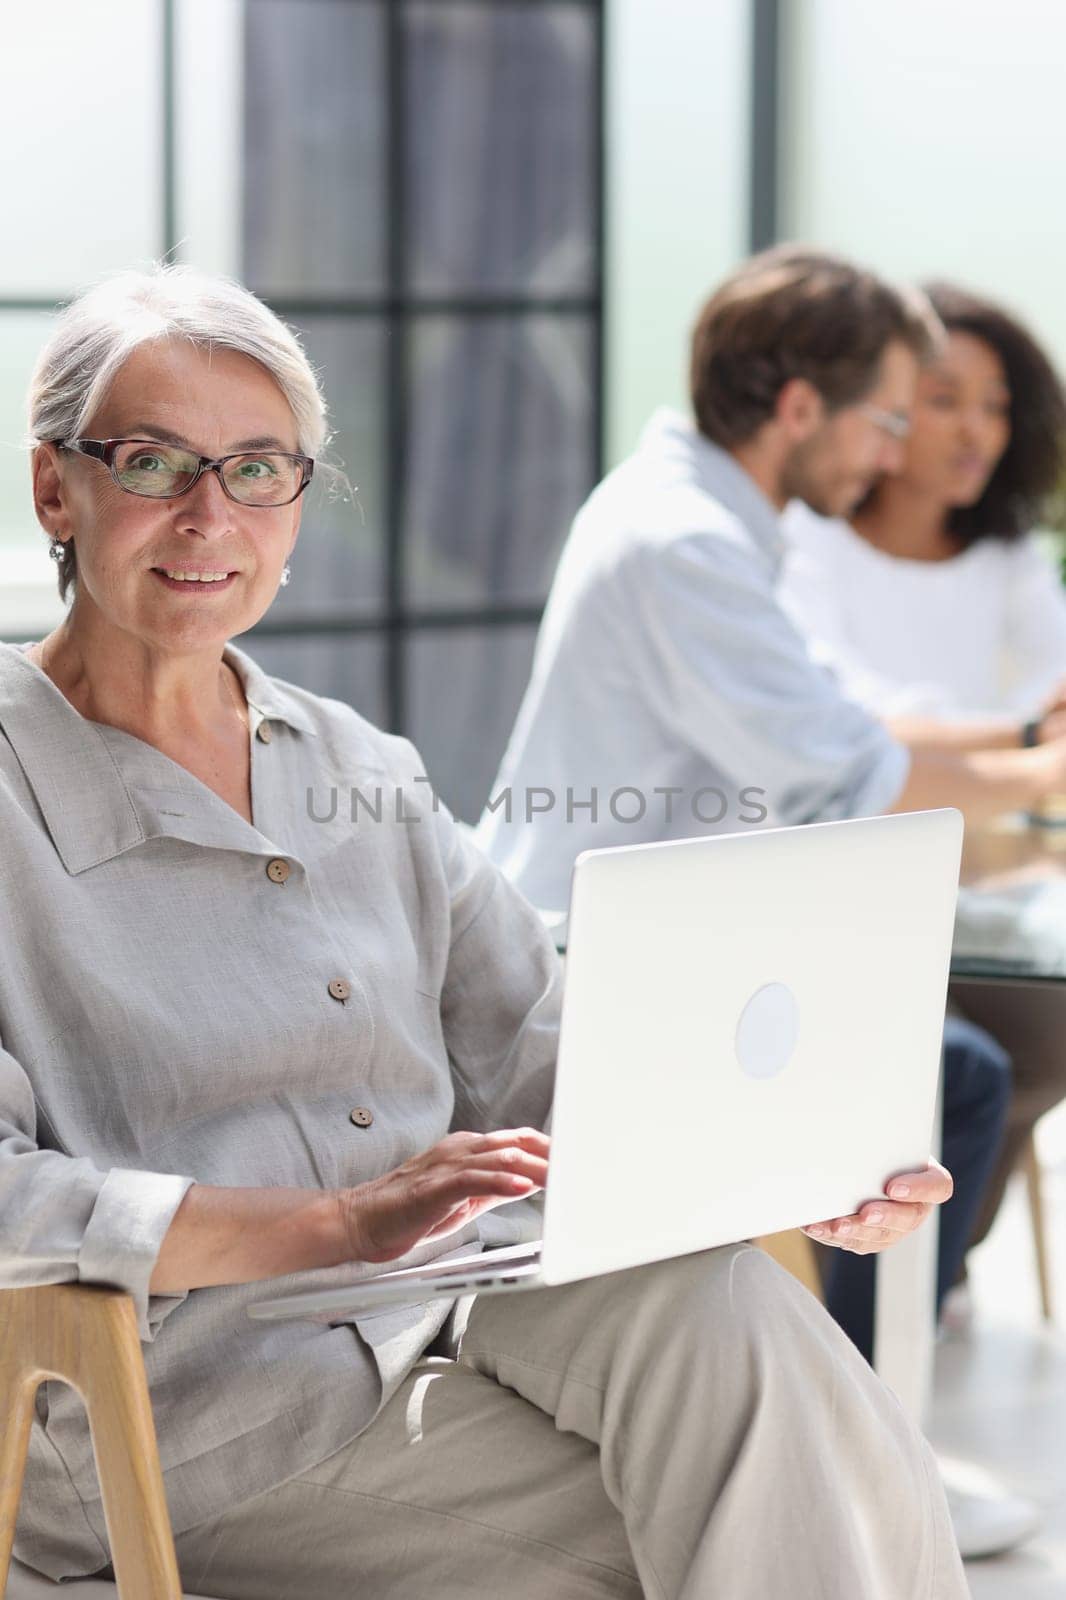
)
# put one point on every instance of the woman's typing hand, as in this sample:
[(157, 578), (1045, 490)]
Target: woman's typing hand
[(441, 1190)]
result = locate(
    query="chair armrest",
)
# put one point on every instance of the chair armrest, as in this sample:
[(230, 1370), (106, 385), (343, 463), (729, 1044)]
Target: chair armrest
[(794, 1251), (86, 1336)]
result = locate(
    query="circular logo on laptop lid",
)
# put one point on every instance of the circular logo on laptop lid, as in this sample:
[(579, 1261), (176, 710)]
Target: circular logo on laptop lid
[(767, 1031)]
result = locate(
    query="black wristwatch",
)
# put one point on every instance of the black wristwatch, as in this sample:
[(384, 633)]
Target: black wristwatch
[(1031, 733)]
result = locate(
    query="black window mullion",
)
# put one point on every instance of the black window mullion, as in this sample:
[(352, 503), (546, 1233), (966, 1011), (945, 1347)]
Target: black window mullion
[(404, 622), (392, 303), (378, 305), (396, 367), (599, 256), (764, 198), (33, 302), (168, 194)]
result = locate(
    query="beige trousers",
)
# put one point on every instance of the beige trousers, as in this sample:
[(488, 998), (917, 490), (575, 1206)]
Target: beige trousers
[(694, 1430)]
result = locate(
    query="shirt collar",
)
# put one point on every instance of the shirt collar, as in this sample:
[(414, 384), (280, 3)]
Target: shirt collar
[(273, 700), (674, 438), (93, 808)]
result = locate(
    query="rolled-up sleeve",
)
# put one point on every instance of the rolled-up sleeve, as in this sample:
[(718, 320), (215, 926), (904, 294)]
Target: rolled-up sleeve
[(734, 680), (65, 1220)]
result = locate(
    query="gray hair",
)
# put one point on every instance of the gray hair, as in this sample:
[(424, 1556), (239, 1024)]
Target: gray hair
[(100, 330)]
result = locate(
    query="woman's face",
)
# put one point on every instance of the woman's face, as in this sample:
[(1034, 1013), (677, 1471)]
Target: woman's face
[(216, 403), (960, 424)]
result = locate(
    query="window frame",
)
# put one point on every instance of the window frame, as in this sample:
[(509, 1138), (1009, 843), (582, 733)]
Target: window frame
[(398, 306)]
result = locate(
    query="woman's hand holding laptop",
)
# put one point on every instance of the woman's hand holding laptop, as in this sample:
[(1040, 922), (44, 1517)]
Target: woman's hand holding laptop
[(880, 1223)]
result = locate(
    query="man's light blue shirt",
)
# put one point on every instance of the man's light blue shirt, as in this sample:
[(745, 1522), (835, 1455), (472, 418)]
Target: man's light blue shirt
[(671, 695)]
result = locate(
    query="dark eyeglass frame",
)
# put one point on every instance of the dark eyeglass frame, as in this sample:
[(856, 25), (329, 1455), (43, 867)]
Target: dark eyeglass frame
[(104, 450)]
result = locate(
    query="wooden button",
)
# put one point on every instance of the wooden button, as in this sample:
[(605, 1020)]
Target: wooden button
[(263, 733), (362, 1116), (340, 989), (278, 870)]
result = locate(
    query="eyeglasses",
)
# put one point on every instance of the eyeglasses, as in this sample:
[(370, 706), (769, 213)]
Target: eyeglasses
[(892, 422), (265, 478)]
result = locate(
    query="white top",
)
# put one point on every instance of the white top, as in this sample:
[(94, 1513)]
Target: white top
[(984, 632), (670, 694)]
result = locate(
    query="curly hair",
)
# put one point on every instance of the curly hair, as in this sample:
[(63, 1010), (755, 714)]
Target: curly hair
[(1031, 467)]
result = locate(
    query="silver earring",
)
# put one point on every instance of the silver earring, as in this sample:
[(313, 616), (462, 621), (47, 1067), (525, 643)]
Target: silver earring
[(286, 574), (56, 548)]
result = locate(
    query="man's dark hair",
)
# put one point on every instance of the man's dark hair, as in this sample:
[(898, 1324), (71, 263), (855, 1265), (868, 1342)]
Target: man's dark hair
[(1031, 467), (797, 313)]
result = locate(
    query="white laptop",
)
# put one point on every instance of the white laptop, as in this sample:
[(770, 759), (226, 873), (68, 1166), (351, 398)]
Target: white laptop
[(750, 1040)]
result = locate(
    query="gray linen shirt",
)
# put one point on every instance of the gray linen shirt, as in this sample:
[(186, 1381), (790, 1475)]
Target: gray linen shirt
[(166, 1017), (671, 695)]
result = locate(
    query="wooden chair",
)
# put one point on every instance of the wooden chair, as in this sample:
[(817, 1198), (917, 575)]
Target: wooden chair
[(87, 1337), (1030, 1166), (795, 1252)]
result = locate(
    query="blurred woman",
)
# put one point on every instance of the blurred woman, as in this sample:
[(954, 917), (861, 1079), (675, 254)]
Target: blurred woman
[(934, 599)]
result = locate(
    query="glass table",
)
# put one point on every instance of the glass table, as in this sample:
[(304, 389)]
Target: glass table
[(1011, 921)]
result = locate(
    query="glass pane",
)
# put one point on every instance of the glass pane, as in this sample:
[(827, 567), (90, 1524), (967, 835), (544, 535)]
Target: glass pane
[(465, 689), (964, 182), (348, 669), (29, 601), (501, 175), (69, 100), (678, 132), (22, 334), (500, 456), (337, 564), (313, 146), (208, 116)]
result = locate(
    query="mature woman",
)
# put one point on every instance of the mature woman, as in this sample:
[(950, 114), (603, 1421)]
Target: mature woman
[(940, 611), (235, 1041)]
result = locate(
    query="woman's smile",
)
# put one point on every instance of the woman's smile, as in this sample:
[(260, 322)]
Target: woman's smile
[(195, 580)]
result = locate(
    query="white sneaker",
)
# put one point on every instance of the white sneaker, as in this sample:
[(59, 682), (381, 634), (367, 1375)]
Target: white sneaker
[(987, 1519)]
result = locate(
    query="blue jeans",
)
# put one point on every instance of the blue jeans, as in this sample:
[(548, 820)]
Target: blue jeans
[(977, 1087)]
